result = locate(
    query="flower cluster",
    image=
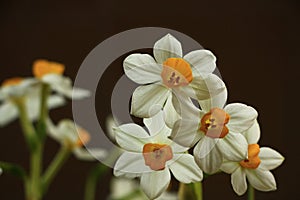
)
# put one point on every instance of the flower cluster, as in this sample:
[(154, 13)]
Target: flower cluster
[(183, 104)]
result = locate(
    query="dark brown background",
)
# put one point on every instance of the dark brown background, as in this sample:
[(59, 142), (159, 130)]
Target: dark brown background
[(256, 42)]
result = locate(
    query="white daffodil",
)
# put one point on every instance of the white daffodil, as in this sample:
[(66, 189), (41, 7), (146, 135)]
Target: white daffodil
[(70, 134), (256, 167), (52, 73), (169, 74), (216, 130), (124, 187), (1, 171), (152, 156), (22, 89)]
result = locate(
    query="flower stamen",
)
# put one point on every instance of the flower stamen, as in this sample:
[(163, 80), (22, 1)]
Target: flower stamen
[(213, 123)]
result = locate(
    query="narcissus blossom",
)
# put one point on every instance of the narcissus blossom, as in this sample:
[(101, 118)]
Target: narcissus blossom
[(169, 73), (21, 89), (152, 156), (215, 130), (255, 167), (69, 134), (52, 73)]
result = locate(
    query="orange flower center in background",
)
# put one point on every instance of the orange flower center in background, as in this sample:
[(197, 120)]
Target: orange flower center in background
[(156, 155), (176, 72), (253, 160), (83, 138), (213, 123), (44, 67), (12, 81)]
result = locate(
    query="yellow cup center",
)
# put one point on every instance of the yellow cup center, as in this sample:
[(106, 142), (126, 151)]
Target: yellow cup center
[(156, 155), (44, 67), (253, 160), (213, 123), (12, 81), (176, 72)]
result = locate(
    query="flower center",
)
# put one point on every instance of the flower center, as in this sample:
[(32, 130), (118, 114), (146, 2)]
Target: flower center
[(253, 160), (176, 72), (44, 67), (83, 138), (12, 81), (213, 123), (156, 155)]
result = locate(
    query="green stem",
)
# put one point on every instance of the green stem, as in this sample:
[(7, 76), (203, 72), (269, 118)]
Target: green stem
[(92, 179), (14, 170), (251, 193), (41, 125), (26, 125), (35, 181), (198, 190), (56, 164), (97, 172), (190, 191)]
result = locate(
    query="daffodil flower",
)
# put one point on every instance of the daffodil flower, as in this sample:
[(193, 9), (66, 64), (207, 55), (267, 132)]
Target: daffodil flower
[(215, 130), (75, 137), (22, 89), (256, 167), (52, 73), (152, 155), (170, 74)]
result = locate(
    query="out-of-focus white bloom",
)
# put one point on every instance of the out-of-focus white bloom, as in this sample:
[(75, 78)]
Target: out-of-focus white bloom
[(75, 137), (16, 89), (256, 167), (52, 73), (152, 156), (123, 187), (170, 75)]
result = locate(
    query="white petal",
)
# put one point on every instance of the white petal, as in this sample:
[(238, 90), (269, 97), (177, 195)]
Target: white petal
[(89, 155), (55, 101), (63, 85), (207, 155), (202, 61), (184, 105), (217, 101), (155, 183), (156, 123), (8, 113), (242, 117), (185, 132), (261, 180), (206, 88), (270, 159), (167, 47), (234, 147), (79, 93), (33, 103), (185, 169), (238, 181), (148, 100), (131, 137), (142, 68), (122, 187), (252, 135), (171, 116), (229, 167), (130, 165)]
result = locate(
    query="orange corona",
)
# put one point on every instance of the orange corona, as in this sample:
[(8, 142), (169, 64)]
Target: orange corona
[(156, 155)]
